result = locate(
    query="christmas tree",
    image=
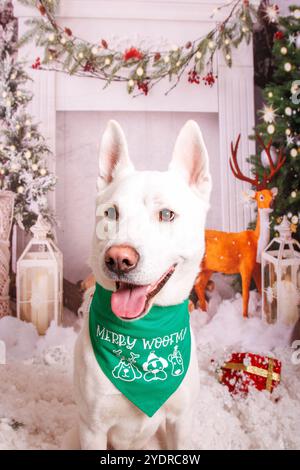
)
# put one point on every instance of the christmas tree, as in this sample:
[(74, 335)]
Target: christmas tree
[(23, 150), (280, 121)]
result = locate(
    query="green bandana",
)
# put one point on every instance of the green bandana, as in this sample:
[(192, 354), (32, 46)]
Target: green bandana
[(145, 359)]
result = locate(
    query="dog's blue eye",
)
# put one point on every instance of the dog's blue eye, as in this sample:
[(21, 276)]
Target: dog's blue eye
[(112, 213), (166, 215)]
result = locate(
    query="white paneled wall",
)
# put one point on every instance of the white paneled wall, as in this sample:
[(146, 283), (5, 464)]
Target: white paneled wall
[(150, 136)]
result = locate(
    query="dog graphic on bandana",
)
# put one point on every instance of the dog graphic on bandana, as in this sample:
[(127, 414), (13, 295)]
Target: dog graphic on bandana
[(154, 368), (126, 369), (176, 361)]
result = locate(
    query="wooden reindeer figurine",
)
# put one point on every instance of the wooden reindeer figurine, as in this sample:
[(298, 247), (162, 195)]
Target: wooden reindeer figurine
[(232, 253)]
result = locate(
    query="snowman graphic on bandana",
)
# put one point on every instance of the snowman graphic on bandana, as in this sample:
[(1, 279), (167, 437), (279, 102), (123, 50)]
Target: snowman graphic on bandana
[(154, 368)]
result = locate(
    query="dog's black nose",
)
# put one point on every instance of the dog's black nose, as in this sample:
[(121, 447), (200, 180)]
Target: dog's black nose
[(121, 259)]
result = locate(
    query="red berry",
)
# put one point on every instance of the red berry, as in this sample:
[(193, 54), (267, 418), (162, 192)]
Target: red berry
[(209, 79), (193, 77), (68, 31), (37, 63), (42, 10), (143, 86)]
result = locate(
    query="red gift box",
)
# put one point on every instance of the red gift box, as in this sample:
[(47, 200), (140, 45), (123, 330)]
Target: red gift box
[(244, 370)]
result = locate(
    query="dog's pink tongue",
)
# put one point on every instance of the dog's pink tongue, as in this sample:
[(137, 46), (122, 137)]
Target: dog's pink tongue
[(129, 302)]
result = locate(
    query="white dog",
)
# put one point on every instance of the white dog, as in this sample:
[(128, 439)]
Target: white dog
[(147, 248)]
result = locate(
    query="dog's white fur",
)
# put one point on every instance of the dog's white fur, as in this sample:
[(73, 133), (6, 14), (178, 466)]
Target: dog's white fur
[(106, 417)]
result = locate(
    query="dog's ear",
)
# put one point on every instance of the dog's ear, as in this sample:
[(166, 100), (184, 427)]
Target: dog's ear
[(113, 156), (190, 158)]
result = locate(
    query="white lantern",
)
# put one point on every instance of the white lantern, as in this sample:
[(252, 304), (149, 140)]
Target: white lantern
[(40, 280), (281, 277)]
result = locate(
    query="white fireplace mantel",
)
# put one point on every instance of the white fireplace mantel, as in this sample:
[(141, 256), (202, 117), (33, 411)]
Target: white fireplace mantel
[(232, 98)]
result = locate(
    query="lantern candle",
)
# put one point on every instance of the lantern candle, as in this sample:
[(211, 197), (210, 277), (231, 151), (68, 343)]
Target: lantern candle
[(288, 298), (39, 305)]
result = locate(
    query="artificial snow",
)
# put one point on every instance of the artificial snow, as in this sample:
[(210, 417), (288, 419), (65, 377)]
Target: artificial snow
[(36, 396)]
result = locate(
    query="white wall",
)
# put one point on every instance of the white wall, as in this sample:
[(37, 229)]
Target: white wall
[(150, 136)]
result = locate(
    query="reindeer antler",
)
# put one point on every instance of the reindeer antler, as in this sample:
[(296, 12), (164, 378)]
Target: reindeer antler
[(259, 185), (235, 166), (273, 169)]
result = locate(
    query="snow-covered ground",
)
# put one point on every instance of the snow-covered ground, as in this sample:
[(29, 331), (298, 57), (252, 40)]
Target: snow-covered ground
[(37, 407)]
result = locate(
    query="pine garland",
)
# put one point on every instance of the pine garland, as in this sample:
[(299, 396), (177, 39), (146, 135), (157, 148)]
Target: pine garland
[(23, 150), (140, 70)]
